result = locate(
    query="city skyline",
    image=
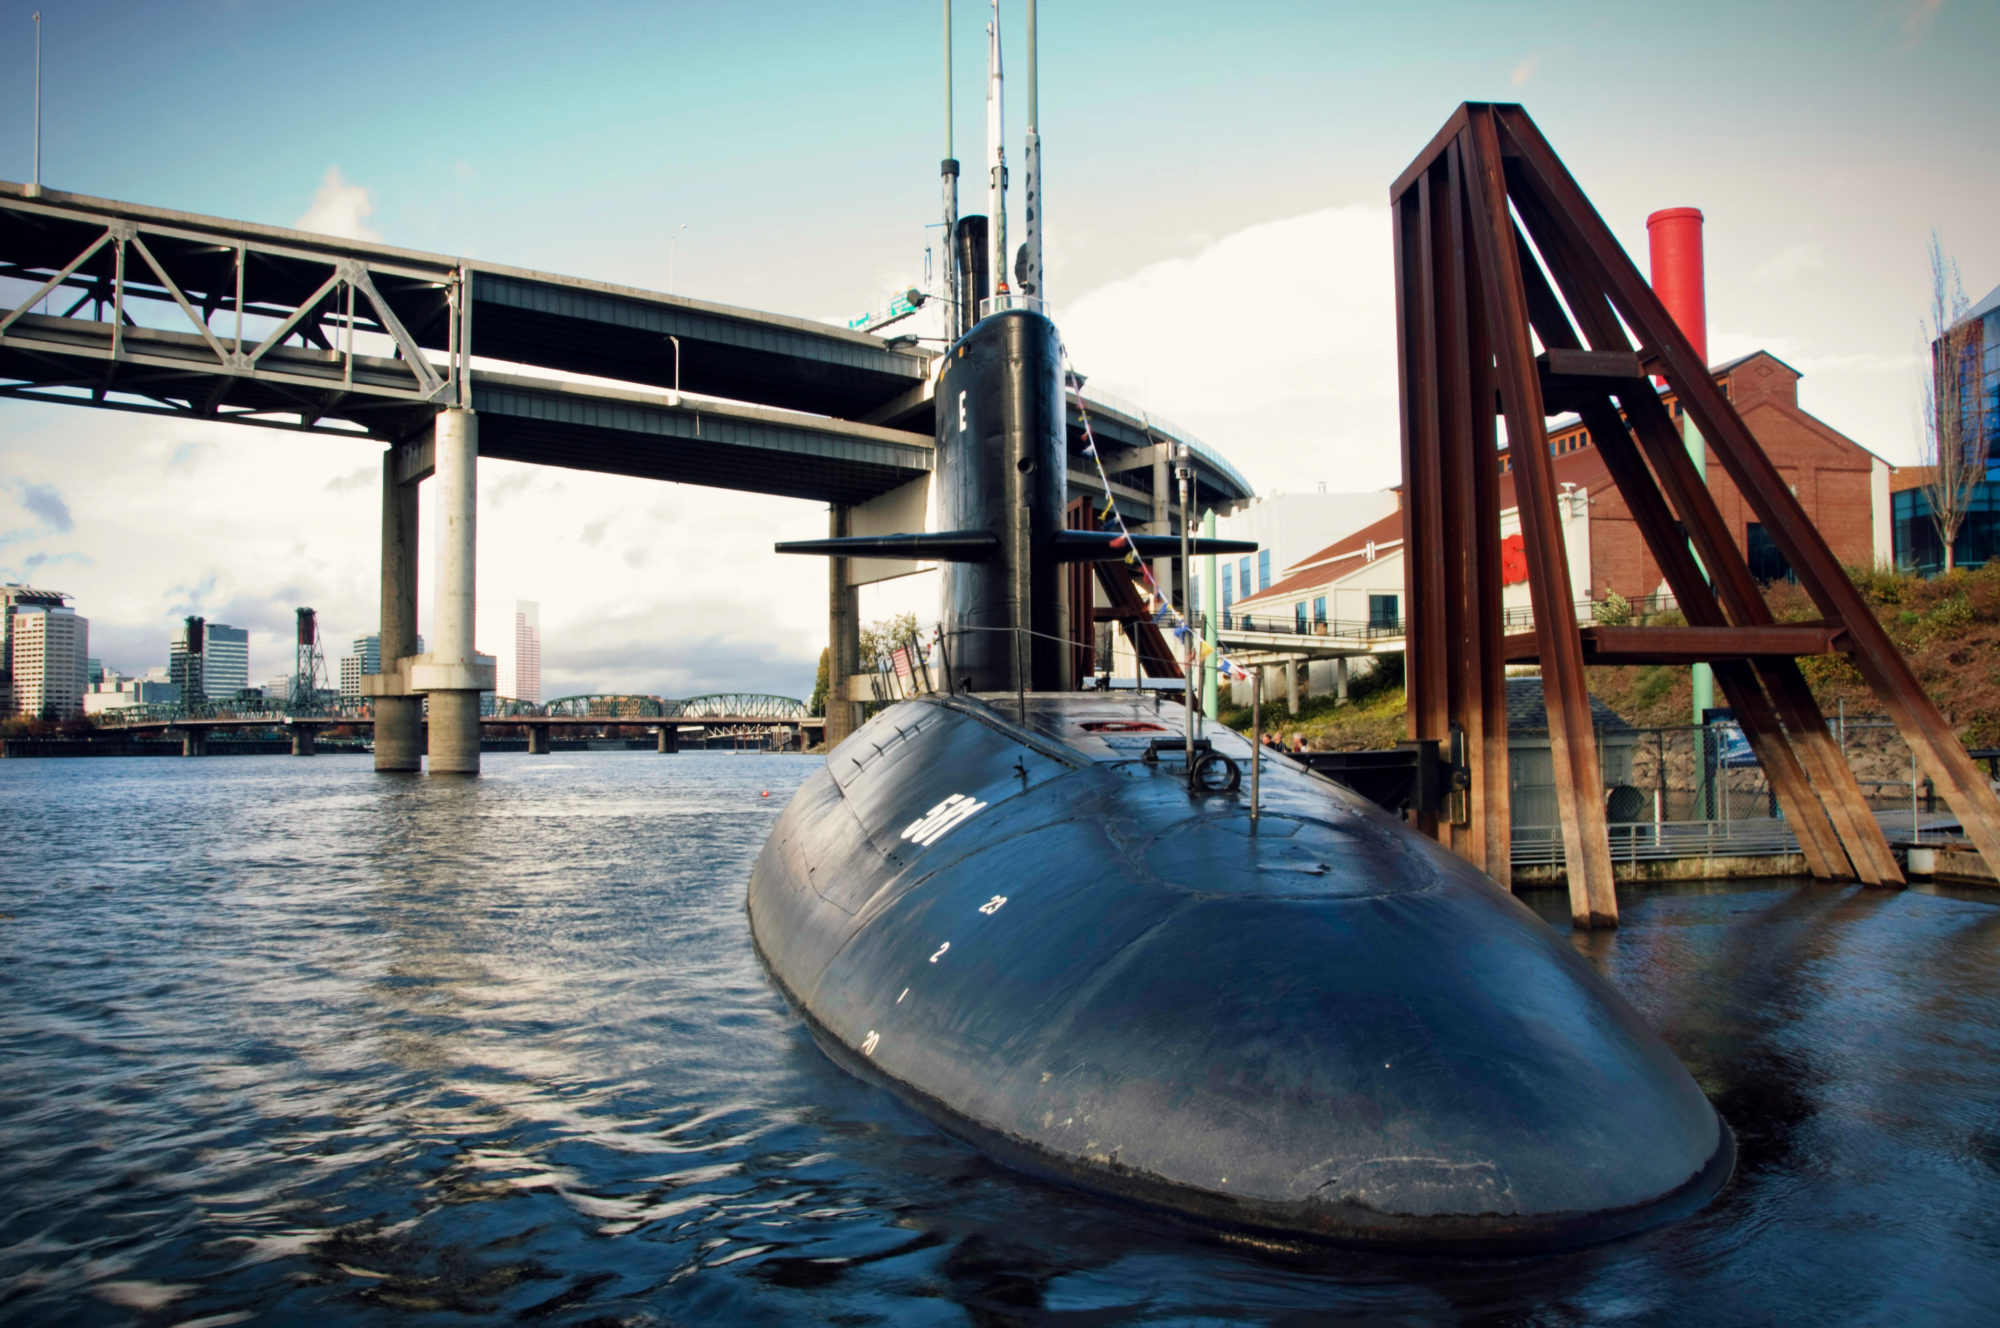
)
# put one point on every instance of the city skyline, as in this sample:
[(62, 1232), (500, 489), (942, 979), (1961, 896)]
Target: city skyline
[(1217, 251)]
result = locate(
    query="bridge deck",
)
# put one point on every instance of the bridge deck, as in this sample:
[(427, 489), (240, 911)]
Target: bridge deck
[(152, 309)]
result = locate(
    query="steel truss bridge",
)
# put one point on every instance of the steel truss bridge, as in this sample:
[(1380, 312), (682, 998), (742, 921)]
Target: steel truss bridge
[(125, 307), (719, 710)]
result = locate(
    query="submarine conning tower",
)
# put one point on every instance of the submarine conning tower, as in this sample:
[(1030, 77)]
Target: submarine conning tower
[(1002, 467), (1002, 482)]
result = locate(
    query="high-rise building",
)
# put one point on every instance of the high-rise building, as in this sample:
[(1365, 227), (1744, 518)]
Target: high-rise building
[(369, 650), (350, 677), (14, 597), (226, 668), (49, 650), (186, 660), (518, 668)]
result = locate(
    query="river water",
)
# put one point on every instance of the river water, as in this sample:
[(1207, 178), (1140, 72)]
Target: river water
[(287, 1042)]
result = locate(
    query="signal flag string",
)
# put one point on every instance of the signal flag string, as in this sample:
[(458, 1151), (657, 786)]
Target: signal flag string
[(1164, 613)]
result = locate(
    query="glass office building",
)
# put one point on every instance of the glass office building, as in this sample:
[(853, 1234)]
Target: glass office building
[(1918, 548)]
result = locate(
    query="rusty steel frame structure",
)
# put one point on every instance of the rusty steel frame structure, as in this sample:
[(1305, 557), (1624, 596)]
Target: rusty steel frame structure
[(1496, 249)]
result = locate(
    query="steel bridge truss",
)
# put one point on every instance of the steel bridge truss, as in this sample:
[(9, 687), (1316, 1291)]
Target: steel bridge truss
[(164, 319), (747, 709)]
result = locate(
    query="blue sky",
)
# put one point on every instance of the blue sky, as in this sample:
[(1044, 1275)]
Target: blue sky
[(1216, 182)]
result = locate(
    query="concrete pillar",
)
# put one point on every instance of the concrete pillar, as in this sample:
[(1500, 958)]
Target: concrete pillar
[(302, 740), (399, 720), (670, 738), (1340, 678), (193, 742), (454, 665), (538, 740), (843, 636), (1291, 667)]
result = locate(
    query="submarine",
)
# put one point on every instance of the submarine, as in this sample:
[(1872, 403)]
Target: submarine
[(1056, 924)]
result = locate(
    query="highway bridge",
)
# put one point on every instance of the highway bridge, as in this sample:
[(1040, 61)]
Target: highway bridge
[(120, 306), (781, 720)]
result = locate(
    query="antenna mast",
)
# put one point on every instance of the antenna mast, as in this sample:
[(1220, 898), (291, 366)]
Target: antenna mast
[(948, 168), (35, 181), (996, 153), (1031, 262)]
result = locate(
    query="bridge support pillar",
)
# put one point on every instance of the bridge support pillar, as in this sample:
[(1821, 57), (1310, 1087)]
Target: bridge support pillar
[(670, 738), (843, 659), (1340, 678), (303, 741), (538, 740), (1291, 686), (399, 718), (451, 673), (194, 742)]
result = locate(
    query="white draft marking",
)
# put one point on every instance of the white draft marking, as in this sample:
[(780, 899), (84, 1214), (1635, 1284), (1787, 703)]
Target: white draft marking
[(961, 412), (934, 824), (869, 1043), (899, 999), (940, 952), (993, 905)]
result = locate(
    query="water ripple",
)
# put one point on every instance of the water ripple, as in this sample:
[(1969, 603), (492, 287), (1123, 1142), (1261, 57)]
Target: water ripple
[(285, 1042)]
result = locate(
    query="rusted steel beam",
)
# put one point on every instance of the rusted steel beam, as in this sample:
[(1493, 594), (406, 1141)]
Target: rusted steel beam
[(1585, 268), (1832, 823), (1687, 645), (1486, 722), (1126, 606), (1578, 778), (1423, 513), (1480, 828), (1819, 841)]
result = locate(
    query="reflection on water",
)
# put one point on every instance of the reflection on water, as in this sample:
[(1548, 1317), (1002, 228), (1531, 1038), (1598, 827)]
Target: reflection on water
[(289, 1042)]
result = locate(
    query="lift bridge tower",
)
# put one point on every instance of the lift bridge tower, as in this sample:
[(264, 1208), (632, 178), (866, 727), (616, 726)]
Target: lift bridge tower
[(309, 678)]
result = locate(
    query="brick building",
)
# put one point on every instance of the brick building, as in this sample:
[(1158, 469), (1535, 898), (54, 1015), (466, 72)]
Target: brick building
[(1843, 487)]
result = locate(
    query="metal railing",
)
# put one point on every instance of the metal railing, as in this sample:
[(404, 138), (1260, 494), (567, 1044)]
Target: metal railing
[(1647, 841), (1512, 620)]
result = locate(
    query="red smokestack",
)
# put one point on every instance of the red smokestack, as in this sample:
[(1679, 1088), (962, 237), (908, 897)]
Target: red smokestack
[(1675, 236)]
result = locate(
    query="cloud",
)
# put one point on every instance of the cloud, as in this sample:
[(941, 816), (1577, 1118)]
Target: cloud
[(362, 477), (593, 534), (1525, 70), (340, 208), (507, 486), (45, 502), (185, 454), (1275, 343), (1793, 261), (35, 560)]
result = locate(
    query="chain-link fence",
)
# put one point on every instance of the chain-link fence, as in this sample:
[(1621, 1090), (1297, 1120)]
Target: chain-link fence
[(1697, 791)]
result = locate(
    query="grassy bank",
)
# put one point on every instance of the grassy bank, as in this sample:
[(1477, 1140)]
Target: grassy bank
[(1948, 627)]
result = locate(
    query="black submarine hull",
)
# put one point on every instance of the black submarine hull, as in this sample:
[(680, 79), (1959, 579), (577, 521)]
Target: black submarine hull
[(1324, 1026)]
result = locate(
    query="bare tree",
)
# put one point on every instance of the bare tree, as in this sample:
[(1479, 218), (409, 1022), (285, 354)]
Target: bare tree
[(1954, 436)]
